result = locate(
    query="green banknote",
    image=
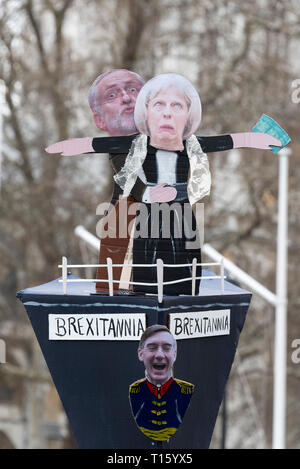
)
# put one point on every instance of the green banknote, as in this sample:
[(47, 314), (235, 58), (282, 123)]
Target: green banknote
[(269, 126)]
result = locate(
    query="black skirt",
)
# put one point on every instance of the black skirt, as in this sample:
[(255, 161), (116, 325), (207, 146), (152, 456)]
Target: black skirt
[(166, 231)]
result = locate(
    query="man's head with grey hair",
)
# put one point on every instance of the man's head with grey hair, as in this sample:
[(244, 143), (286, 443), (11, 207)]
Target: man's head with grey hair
[(112, 99)]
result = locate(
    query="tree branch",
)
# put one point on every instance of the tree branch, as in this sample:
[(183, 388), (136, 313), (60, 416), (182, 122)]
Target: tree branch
[(36, 29), (20, 141)]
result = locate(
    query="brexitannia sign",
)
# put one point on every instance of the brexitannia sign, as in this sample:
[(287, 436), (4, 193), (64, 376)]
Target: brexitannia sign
[(96, 326), (200, 324)]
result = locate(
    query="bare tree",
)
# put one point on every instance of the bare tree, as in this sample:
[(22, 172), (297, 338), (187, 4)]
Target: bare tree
[(242, 56)]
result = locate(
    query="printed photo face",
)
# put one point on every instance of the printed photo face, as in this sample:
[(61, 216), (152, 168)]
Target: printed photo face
[(158, 355), (168, 109), (167, 117), (117, 93), (159, 401)]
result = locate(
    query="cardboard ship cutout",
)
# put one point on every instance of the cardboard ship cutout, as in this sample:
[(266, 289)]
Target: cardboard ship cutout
[(89, 334), (90, 346)]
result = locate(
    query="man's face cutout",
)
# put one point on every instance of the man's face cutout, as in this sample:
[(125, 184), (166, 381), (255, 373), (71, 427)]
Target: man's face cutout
[(117, 93), (158, 355)]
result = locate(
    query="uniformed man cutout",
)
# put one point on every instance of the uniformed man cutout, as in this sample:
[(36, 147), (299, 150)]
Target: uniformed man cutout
[(159, 401)]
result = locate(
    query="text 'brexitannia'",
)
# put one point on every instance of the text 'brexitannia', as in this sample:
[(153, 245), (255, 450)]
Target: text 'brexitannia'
[(198, 324), (96, 326)]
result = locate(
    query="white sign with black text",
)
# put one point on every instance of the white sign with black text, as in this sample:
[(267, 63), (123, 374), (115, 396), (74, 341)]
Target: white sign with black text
[(96, 326), (196, 324)]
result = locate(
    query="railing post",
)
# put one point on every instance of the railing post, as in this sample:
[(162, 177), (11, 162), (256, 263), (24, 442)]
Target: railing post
[(194, 269), (110, 276), (222, 274), (64, 274), (160, 279)]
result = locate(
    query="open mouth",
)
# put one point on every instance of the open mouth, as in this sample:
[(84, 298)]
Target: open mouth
[(159, 367)]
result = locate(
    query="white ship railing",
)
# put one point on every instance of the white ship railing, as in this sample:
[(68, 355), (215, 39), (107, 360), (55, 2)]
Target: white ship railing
[(160, 265)]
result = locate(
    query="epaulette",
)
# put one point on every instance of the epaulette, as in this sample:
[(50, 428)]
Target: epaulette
[(135, 387), (185, 387)]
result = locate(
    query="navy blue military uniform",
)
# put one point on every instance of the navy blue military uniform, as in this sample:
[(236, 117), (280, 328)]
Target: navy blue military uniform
[(159, 410)]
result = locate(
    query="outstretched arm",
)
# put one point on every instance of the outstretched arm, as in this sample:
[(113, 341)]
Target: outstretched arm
[(77, 146), (216, 143), (239, 140), (255, 140)]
